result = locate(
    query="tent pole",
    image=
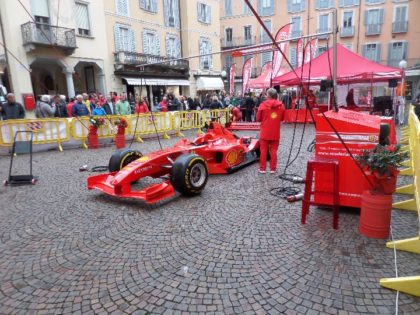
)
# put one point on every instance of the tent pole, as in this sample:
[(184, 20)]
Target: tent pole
[(335, 34)]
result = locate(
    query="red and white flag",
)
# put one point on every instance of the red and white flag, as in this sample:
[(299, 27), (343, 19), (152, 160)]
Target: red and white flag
[(246, 75), (299, 52), (232, 74), (311, 49), (282, 34)]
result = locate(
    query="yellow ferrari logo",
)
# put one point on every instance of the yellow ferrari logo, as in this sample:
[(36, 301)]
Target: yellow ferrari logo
[(144, 159), (232, 157), (273, 115)]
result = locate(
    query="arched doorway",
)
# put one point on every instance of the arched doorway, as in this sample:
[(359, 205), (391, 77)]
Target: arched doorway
[(89, 78), (47, 77)]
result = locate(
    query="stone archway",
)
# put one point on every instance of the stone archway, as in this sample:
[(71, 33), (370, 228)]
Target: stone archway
[(89, 78), (47, 76)]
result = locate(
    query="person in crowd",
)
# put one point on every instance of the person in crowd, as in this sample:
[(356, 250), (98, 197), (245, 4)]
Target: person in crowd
[(141, 106), (248, 107), (206, 102), (184, 103), (226, 100), (60, 106), (270, 114), (311, 100), (235, 113), (114, 96), (45, 109), (286, 99), (123, 106), (109, 106), (70, 107), (196, 105), (12, 109), (163, 105), (79, 108), (350, 100), (98, 110), (174, 103), (88, 104), (215, 104), (101, 99)]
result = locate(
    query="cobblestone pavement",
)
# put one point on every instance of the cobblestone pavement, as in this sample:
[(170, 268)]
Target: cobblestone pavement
[(234, 249)]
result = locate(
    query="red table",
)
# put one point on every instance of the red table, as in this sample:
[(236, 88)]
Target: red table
[(298, 115)]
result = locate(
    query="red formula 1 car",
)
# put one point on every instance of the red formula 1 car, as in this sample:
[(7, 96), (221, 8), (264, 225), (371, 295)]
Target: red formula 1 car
[(185, 166)]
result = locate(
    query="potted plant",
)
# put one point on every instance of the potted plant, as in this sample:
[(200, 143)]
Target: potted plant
[(93, 139), (121, 124)]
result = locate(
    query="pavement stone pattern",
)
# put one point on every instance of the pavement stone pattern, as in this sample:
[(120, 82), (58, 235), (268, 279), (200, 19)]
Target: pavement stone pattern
[(235, 249)]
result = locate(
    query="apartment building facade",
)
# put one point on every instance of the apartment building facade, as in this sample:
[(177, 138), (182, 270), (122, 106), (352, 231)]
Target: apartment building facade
[(53, 47), (385, 31), (144, 36)]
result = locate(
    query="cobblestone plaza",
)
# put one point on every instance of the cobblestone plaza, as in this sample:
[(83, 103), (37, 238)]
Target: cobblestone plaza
[(233, 249)]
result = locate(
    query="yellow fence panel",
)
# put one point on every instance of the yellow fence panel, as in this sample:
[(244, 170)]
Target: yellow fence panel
[(45, 131), (187, 120), (151, 123)]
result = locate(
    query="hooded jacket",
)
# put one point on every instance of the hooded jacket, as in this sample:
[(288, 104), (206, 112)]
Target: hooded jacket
[(270, 114)]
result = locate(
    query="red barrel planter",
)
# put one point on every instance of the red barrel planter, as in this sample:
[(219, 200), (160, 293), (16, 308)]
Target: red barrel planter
[(375, 214), (120, 138), (93, 139)]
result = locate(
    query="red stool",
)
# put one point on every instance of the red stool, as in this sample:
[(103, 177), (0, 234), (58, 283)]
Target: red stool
[(321, 165)]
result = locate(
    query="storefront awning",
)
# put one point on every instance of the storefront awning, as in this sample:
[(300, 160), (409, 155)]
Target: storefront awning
[(156, 81), (210, 83)]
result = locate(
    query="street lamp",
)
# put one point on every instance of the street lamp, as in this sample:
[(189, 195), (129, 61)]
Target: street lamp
[(403, 65), (223, 73)]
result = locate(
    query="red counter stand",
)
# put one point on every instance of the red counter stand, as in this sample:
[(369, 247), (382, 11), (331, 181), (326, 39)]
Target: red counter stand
[(328, 168)]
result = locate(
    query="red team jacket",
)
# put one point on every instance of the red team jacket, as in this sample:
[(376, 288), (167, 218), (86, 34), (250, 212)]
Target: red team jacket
[(270, 114)]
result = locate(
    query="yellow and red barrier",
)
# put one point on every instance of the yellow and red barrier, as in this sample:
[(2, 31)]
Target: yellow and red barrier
[(150, 124), (410, 285)]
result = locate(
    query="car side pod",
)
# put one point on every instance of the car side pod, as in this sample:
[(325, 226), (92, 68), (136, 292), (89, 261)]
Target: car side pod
[(151, 194)]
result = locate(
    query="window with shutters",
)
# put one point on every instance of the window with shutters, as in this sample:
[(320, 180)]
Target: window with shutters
[(324, 4), (264, 37), (266, 57), (294, 6), (400, 24), (349, 3), (374, 1), (248, 35), (247, 10), (171, 10), (203, 13), (173, 47), (122, 7), (347, 29), (82, 19), (296, 26), (266, 7), (397, 52), (292, 57), (124, 38), (149, 5), (323, 23), (372, 52), (228, 7), (229, 36), (373, 21), (205, 47), (151, 42)]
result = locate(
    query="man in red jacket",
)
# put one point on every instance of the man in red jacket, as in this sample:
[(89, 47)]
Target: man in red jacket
[(270, 114)]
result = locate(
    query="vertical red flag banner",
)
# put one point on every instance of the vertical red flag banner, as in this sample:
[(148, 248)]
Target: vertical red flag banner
[(299, 52), (232, 74), (311, 48), (246, 75), (282, 34)]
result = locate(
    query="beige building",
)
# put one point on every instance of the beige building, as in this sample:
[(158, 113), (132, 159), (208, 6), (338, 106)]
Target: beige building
[(53, 47), (143, 36), (385, 31)]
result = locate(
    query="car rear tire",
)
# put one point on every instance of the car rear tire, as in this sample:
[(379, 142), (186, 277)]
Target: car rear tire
[(122, 158), (189, 174)]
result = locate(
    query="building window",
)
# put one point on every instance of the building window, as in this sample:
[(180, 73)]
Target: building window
[(203, 13), (374, 1), (151, 42), (324, 4), (372, 52), (323, 23), (122, 7), (296, 26), (229, 36), (247, 10), (247, 35), (292, 56), (347, 29), (266, 7), (349, 46), (400, 23), (82, 19), (228, 61), (373, 21), (149, 5), (294, 6), (173, 46), (228, 7), (321, 49), (171, 10), (124, 39), (349, 3), (264, 37), (206, 62), (396, 52), (266, 57)]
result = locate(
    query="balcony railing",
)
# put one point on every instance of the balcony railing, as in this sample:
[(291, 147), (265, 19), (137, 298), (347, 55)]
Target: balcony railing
[(238, 41), (400, 27), (295, 33), (373, 29), (323, 30), (138, 59), (48, 35), (347, 31)]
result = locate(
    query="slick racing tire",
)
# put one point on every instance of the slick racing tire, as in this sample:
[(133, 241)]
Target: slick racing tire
[(122, 158), (384, 133), (189, 174)]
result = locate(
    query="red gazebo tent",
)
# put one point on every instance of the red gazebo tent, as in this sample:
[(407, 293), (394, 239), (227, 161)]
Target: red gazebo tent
[(263, 81), (351, 68)]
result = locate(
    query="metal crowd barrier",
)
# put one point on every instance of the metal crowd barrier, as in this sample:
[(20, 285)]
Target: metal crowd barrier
[(410, 285), (45, 131), (186, 121), (150, 124)]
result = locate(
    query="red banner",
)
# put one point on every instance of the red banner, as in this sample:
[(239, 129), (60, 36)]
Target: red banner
[(246, 75), (282, 34), (311, 49), (232, 74), (299, 52)]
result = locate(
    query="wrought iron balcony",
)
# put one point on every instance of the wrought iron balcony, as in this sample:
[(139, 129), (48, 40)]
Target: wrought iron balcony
[(400, 27), (36, 34), (347, 31), (138, 59), (373, 29), (238, 41)]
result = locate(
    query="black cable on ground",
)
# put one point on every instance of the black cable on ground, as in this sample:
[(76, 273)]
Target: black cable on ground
[(99, 168)]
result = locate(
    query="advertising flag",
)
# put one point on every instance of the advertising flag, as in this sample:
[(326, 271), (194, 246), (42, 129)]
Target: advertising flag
[(299, 52), (246, 75), (232, 74), (311, 48), (282, 34)]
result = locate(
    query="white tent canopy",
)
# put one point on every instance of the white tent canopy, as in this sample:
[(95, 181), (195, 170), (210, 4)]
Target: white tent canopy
[(209, 83), (156, 81)]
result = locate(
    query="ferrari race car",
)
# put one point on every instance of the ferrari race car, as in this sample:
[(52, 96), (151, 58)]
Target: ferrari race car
[(185, 166)]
